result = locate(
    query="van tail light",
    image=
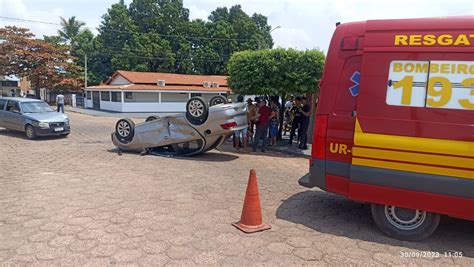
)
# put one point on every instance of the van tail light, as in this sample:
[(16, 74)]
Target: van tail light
[(319, 137), (229, 125)]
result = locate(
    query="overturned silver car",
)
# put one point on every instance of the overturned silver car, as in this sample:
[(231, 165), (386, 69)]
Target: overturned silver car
[(202, 128)]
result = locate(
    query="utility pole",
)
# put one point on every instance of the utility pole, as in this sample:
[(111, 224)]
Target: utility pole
[(85, 71)]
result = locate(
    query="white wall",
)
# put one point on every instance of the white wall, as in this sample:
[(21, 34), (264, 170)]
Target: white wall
[(119, 80), (112, 106), (88, 103), (154, 107), (145, 106)]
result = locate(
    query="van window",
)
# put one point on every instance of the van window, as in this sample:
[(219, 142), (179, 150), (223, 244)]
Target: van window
[(431, 84), (2, 104)]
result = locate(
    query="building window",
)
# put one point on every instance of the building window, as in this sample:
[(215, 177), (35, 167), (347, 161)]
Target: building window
[(175, 97), (105, 96), (142, 97), (195, 94), (89, 95), (116, 97)]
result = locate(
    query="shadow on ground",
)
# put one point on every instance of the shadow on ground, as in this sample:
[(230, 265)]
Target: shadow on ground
[(214, 156), (21, 135), (330, 214)]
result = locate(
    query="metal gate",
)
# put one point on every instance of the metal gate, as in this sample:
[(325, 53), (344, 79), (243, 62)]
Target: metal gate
[(95, 100)]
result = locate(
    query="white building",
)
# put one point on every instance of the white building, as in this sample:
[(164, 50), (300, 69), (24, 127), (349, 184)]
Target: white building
[(128, 91)]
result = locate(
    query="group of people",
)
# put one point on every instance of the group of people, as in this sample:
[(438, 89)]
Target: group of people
[(263, 119)]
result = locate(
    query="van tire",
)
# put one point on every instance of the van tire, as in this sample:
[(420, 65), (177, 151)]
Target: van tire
[(417, 225)]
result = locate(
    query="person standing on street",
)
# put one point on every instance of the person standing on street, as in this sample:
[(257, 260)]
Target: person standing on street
[(296, 119), (274, 123), (264, 115), (60, 102), (305, 111), (252, 111)]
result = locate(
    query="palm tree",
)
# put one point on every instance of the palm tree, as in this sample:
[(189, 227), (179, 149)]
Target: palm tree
[(70, 29)]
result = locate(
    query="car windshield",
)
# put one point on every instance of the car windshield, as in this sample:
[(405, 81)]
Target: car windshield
[(35, 107)]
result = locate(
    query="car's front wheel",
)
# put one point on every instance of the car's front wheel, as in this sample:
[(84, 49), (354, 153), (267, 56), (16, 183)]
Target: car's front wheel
[(30, 132), (124, 130), (405, 224)]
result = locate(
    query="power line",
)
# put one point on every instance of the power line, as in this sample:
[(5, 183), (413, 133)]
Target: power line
[(120, 31), (157, 58)]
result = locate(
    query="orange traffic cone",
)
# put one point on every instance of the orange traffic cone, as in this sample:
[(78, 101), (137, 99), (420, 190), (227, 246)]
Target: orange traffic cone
[(251, 218)]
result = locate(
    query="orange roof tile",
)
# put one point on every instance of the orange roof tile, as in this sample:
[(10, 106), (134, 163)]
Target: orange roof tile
[(170, 78), (146, 87)]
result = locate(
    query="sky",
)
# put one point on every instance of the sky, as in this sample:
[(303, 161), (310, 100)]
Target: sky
[(304, 24)]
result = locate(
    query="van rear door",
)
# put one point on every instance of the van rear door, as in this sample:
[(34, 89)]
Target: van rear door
[(340, 130)]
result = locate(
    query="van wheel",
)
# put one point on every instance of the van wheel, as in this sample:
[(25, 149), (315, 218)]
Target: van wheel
[(405, 224), (30, 132), (124, 130), (197, 110), (152, 118), (216, 100)]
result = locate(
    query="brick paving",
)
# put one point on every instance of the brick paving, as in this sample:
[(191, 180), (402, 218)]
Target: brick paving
[(74, 201)]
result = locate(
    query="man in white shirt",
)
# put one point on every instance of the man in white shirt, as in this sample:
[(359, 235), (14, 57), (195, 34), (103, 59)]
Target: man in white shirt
[(60, 102)]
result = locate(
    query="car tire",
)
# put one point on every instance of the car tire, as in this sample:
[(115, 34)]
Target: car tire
[(152, 118), (405, 224), (197, 110), (30, 132), (217, 100), (124, 130)]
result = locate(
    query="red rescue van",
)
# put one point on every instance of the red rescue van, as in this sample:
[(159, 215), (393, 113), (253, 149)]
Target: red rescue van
[(395, 121)]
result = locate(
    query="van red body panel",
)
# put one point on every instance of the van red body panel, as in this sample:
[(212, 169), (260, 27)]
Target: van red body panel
[(395, 134)]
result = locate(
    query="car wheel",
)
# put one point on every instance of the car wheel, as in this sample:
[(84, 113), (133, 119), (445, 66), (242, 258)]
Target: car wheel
[(152, 118), (30, 132), (405, 224), (197, 110), (124, 130), (216, 100)]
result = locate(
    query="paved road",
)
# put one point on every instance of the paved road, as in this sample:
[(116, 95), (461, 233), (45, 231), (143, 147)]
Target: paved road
[(73, 201)]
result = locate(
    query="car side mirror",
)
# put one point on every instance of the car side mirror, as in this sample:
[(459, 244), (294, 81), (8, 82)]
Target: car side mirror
[(16, 111)]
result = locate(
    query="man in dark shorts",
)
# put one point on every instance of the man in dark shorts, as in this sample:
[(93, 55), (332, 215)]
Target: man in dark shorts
[(296, 119), (264, 115), (305, 111)]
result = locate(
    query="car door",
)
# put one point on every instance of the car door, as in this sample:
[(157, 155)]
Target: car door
[(3, 103), (12, 116)]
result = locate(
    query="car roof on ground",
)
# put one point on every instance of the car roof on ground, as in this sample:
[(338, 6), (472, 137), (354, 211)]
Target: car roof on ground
[(22, 99)]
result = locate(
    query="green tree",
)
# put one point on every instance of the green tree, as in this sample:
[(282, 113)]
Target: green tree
[(70, 29), (115, 32), (157, 35), (276, 72)]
